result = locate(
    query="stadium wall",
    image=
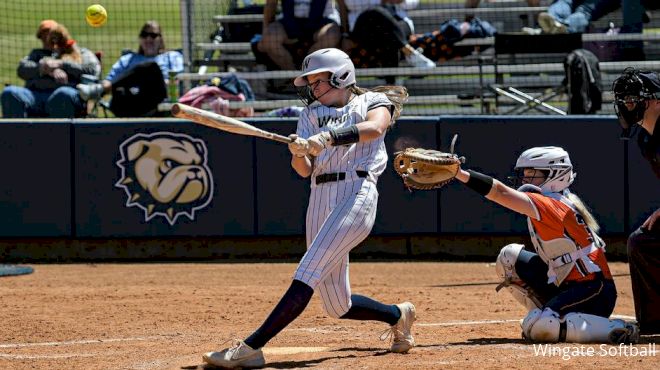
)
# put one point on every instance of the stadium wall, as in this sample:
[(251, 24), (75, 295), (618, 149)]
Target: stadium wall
[(65, 194)]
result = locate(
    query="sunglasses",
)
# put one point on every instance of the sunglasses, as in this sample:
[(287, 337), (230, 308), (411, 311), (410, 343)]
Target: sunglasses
[(153, 35)]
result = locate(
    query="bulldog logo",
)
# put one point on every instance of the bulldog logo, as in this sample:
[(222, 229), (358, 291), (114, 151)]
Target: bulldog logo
[(165, 174)]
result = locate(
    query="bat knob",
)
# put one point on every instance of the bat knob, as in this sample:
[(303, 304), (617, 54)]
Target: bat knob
[(176, 109)]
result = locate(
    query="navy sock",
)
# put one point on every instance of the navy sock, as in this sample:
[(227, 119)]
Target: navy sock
[(291, 305), (365, 308)]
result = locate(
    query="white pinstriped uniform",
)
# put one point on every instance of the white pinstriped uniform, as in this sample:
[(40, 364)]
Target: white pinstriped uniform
[(340, 214)]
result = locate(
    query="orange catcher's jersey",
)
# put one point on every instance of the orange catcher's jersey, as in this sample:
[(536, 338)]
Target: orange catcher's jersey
[(562, 238)]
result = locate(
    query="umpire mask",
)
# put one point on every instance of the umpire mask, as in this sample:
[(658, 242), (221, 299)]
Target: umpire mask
[(632, 91)]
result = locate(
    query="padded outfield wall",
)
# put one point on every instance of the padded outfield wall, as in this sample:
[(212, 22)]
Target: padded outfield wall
[(115, 180)]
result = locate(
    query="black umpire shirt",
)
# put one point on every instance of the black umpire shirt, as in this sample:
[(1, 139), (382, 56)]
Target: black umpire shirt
[(649, 144)]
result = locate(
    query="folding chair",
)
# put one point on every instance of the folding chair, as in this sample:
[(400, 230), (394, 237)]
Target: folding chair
[(522, 49)]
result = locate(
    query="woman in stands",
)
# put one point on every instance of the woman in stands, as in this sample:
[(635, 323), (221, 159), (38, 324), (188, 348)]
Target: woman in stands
[(151, 48)]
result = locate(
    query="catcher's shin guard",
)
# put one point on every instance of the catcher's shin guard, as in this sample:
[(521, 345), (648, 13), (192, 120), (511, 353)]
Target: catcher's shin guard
[(505, 267), (547, 326)]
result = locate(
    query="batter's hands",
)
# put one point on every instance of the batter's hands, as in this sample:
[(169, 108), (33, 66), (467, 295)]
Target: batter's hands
[(653, 220), (318, 143), (298, 146)]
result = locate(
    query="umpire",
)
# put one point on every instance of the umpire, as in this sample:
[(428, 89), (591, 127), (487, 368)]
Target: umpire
[(637, 102)]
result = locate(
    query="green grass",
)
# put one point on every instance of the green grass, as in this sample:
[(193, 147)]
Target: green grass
[(20, 19)]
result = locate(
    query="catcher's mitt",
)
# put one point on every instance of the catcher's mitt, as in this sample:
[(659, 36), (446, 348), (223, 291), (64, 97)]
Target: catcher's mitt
[(427, 169)]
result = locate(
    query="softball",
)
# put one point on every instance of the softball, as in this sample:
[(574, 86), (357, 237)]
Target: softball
[(96, 15)]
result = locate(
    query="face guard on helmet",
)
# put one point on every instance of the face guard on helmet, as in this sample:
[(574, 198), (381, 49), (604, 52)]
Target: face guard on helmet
[(632, 91), (335, 61), (551, 160)]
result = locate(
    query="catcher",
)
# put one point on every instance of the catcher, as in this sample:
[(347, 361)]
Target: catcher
[(566, 285)]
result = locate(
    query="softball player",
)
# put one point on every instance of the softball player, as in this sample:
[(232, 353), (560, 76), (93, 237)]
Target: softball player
[(566, 284), (340, 144)]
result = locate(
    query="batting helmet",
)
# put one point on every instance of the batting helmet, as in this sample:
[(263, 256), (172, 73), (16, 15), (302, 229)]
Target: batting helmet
[(631, 92), (553, 160), (335, 61)]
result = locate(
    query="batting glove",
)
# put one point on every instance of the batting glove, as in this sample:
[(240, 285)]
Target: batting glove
[(318, 143), (299, 146)]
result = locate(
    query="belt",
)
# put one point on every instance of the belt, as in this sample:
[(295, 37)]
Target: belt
[(337, 176)]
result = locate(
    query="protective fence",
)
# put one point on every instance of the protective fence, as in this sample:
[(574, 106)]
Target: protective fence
[(454, 56)]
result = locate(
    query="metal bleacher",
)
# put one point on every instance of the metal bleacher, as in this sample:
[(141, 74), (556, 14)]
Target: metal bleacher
[(451, 85)]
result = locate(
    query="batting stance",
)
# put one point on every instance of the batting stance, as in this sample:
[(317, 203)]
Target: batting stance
[(566, 284), (340, 144)]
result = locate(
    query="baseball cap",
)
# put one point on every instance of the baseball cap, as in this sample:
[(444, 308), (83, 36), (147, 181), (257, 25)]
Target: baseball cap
[(651, 81), (45, 26)]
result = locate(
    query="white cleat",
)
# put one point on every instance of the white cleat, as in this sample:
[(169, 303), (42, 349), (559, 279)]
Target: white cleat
[(239, 355), (418, 60), (402, 339)]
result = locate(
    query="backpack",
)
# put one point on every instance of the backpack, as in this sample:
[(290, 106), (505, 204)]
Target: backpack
[(138, 91), (583, 82), (218, 93)]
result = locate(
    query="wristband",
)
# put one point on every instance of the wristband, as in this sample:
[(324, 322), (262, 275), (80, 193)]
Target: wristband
[(479, 182), (345, 135)]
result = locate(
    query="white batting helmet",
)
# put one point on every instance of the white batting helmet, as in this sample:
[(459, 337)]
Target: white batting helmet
[(553, 159), (335, 61)]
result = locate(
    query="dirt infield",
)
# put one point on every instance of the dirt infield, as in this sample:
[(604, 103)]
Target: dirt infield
[(164, 316)]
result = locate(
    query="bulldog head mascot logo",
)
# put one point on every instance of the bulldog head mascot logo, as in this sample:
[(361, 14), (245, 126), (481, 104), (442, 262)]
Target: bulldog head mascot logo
[(165, 174)]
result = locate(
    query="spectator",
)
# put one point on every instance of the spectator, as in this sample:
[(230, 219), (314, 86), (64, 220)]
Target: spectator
[(574, 16), (152, 48), (376, 33), (308, 22), (51, 74), (439, 45), (637, 103), (475, 3)]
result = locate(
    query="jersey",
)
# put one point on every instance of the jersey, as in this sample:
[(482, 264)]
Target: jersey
[(557, 225), (340, 214), (366, 156)]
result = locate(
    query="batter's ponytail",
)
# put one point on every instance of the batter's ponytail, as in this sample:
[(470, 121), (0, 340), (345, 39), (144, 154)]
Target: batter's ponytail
[(398, 95)]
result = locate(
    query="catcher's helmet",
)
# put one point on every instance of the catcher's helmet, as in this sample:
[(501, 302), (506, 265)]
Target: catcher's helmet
[(551, 159), (631, 91)]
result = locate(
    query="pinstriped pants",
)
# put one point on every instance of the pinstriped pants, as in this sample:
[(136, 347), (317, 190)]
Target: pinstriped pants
[(340, 216)]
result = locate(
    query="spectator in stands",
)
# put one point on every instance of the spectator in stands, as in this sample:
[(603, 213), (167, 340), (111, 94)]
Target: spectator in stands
[(307, 22), (51, 74), (151, 48), (375, 33), (574, 16), (439, 45), (475, 3)]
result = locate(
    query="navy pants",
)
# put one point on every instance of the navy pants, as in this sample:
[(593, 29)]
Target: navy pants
[(596, 297)]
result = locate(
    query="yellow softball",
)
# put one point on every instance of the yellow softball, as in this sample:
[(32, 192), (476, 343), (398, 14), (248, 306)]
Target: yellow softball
[(96, 15)]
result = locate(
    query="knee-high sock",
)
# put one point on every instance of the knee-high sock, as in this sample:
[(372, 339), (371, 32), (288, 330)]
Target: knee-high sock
[(365, 308), (291, 305)]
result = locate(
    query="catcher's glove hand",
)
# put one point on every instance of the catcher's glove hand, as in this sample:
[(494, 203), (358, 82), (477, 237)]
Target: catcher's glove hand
[(427, 169)]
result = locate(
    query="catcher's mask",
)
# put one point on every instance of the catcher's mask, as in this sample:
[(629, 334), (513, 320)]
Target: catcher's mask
[(632, 91), (335, 61), (550, 160)]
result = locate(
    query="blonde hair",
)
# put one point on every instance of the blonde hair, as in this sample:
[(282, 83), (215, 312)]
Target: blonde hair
[(398, 95), (589, 219), (60, 40)]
